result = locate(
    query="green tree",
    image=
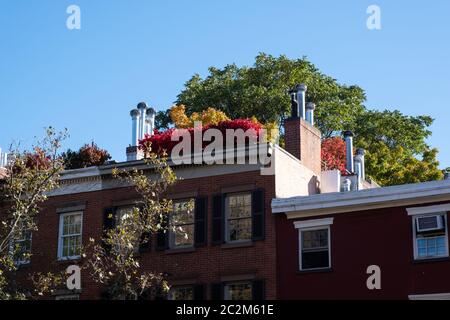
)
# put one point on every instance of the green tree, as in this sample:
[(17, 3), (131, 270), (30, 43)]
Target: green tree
[(396, 143), (261, 91)]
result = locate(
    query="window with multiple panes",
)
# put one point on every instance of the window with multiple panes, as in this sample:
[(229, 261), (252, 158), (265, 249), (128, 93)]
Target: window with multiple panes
[(20, 246), (314, 244), (430, 236), (315, 249), (238, 291), (182, 293), (70, 228), (182, 221), (238, 211)]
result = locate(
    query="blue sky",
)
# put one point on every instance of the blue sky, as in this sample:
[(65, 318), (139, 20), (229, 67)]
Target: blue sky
[(129, 51)]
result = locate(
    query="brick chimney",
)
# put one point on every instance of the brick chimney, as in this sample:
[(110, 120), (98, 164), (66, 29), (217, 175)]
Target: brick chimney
[(302, 139)]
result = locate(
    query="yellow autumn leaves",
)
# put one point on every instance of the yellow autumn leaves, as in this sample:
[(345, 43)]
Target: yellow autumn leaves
[(211, 116)]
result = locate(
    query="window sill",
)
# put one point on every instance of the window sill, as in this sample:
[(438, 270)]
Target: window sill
[(180, 250), (322, 270), (22, 265), (68, 260), (241, 244), (425, 260)]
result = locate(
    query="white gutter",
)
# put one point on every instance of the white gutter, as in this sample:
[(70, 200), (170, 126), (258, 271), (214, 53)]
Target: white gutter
[(340, 202)]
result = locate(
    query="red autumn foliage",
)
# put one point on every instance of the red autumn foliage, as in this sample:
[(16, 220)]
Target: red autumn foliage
[(333, 154), (37, 160), (161, 141), (87, 156)]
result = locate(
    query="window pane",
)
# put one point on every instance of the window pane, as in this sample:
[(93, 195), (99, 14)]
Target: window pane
[(183, 212), (184, 237), (240, 229), (315, 239), (239, 206), (239, 291), (428, 247), (315, 259), (422, 252)]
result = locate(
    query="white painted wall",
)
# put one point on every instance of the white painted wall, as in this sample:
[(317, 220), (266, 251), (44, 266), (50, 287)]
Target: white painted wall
[(291, 177)]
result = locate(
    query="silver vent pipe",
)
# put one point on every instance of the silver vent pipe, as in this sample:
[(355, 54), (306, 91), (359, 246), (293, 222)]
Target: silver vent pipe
[(310, 107), (142, 107), (348, 136), (301, 99), (150, 121), (135, 115), (359, 164)]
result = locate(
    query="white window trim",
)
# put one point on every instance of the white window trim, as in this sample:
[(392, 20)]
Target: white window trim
[(227, 213), (60, 242), (428, 209), (414, 232), (431, 296), (311, 225)]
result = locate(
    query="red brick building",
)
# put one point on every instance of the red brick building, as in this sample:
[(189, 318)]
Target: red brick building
[(279, 230), (231, 252)]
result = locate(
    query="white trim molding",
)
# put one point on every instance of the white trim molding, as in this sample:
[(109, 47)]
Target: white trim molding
[(431, 296), (428, 209), (313, 223)]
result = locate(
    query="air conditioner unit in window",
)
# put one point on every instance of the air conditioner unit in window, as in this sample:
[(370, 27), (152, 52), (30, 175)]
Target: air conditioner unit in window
[(430, 223)]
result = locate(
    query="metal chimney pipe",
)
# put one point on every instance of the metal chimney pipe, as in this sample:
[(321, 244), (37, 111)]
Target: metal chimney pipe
[(348, 136), (294, 104), (142, 107), (301, 98), (135, 115), (359, 158), (310, 107), (347, 185), (151, 113)]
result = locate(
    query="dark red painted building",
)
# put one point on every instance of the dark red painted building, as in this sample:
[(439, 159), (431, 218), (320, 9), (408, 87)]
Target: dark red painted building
[(328, 245)]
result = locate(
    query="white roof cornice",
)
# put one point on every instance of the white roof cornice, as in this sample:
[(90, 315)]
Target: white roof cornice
[(339, 202)]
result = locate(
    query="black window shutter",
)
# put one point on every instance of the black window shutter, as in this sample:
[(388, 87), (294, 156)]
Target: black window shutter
[(162, 236), (199, 292), (109, 223), (109, 218), (258, 214), (258, 290), (145, 244), (217, 291), (218, 219), (201, 212)]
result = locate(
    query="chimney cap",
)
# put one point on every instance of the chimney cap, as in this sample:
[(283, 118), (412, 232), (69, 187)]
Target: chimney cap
[(360, 151), (134, 112), (151, 111), (142, 105), (310, 106), (300, 87), (347, 133)]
